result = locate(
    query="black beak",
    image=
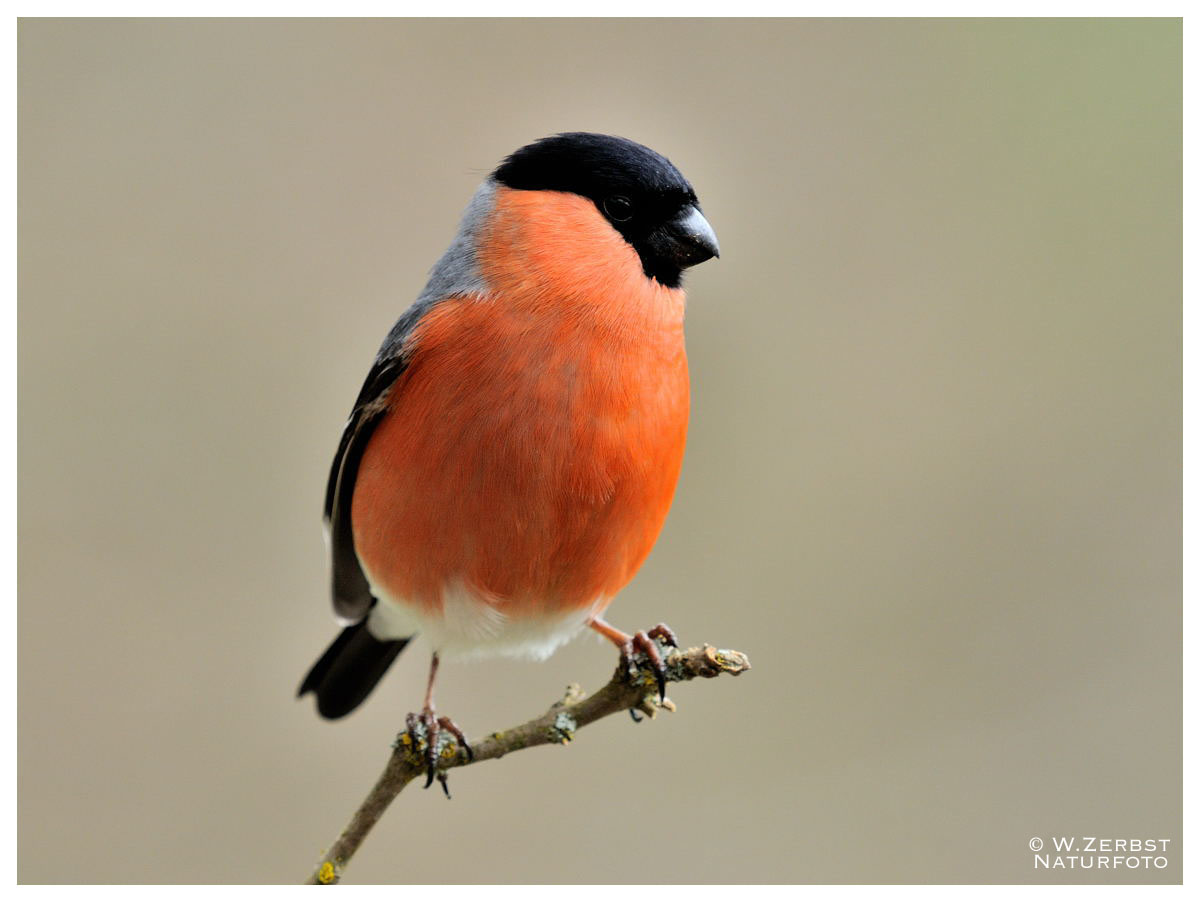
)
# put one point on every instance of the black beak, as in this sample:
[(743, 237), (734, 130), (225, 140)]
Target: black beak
[(686, 240)]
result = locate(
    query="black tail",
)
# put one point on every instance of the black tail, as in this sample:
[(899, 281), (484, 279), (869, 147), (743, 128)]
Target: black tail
[(349, 670)]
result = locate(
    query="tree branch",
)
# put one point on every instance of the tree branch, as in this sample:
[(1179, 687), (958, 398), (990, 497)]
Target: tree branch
[(625, 691)]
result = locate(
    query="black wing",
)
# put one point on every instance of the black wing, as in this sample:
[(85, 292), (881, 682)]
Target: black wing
[(351, 594)]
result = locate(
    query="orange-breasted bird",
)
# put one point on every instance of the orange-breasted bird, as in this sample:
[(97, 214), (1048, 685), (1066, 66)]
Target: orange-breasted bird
[(511, 457)]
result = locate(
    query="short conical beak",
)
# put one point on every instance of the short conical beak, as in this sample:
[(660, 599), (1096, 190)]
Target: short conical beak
[(691, 238)]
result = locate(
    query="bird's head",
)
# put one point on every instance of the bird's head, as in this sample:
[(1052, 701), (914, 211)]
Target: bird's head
[(637, 191)]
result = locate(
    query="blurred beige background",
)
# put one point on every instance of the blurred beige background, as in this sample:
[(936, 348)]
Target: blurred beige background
[(932, 485)]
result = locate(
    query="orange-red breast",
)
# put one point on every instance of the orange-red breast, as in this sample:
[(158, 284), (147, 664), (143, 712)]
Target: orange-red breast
[(512, 455)]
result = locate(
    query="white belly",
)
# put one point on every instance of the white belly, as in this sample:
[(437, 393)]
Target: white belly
[(469, 627)]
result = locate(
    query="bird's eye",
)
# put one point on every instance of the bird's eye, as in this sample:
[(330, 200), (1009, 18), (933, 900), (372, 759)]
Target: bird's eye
[(619, 208)]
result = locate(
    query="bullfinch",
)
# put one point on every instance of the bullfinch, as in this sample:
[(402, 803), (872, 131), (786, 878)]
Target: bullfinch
[(513, 452)]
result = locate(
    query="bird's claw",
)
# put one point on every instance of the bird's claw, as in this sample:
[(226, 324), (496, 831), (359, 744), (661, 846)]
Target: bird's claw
[(452, 728), (644, 642), (664, 633), (431, 725)]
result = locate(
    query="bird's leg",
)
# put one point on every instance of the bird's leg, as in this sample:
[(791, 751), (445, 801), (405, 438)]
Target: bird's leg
[(433, 726), (643, 642)]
